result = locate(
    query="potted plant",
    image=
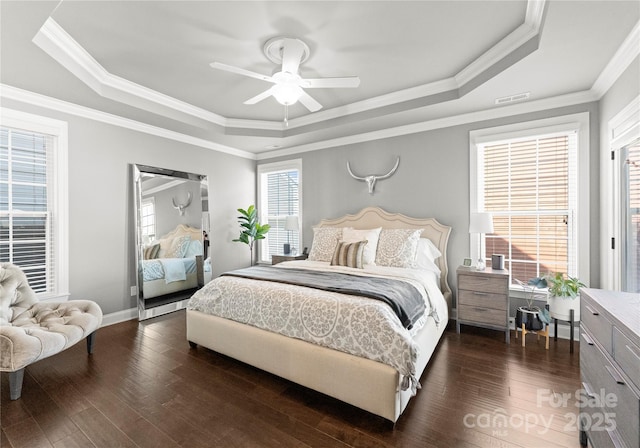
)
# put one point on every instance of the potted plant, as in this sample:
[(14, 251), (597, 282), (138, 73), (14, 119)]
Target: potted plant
[(250, 228), (564, 295), (532, 316)]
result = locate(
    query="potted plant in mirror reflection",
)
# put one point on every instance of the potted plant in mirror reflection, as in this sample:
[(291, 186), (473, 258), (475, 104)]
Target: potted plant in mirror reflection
[(250, 228), (533, 317)]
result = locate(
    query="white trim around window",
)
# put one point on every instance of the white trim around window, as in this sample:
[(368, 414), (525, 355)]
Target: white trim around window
[(575, 122), (271, 168), (59, 187), (623, 129)]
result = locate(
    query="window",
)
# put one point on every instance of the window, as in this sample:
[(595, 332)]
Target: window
[(529, 180), (630, 216), (148, 214), (279, 196), (33, 200)]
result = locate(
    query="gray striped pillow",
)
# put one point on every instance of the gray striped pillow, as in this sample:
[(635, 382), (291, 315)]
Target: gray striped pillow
[(349, 254)]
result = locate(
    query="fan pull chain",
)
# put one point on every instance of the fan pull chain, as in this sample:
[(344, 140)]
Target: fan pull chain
[(286, 115)]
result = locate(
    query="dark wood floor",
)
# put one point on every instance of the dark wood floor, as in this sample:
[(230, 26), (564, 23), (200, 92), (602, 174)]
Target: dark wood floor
[(144, 387)]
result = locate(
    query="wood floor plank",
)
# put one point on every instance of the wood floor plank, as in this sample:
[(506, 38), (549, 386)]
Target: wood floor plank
[(144, 386)]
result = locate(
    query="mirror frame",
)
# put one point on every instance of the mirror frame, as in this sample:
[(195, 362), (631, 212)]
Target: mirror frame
[(178, 300)]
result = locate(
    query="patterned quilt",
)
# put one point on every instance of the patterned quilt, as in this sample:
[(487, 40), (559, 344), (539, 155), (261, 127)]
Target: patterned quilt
[(357, 325)]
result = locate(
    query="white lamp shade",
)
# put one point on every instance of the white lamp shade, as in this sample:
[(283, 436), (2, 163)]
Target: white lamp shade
[(481, 223), (291, 223)]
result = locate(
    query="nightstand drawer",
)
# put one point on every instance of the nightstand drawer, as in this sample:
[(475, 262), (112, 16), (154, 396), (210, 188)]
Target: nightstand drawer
[(483, 284), (482, 315), (483, 299)]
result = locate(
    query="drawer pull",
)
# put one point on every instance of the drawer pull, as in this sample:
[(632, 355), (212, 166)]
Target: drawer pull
[(614, 374), (588, 391), (586, 338), (633, 352), (592, 311), (476, 293), (615, 438)]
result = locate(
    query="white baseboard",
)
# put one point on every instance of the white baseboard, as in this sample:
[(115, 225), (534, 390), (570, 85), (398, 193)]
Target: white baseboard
[(119, 316)]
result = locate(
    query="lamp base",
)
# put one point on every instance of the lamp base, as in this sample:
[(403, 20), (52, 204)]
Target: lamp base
[(480, 266)]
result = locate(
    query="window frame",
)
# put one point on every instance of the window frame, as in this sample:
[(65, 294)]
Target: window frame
[(566, 123), (623, 130), (59, 189), (269, 168)]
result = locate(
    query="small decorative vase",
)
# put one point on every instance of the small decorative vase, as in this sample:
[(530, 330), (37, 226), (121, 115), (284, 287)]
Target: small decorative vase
[(529, 316)]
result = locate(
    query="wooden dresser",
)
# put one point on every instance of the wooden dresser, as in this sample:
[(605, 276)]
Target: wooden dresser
[(483, 299), (610, 368)]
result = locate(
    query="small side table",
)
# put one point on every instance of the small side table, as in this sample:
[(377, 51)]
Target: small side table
[(544, 331), (571, 329), (275, 259)]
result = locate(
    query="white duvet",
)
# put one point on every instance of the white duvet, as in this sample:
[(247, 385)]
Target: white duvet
[(357, 325)]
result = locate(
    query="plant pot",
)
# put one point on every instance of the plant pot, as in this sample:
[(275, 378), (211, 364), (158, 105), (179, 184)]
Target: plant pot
[(560, 306), (529, 316)]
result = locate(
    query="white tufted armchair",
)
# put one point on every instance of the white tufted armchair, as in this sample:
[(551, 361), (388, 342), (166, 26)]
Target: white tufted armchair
[(31, 330)]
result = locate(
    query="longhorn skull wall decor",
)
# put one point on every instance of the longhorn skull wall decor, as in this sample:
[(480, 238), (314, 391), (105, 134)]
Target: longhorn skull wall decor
[(181, 207), (371, 179)]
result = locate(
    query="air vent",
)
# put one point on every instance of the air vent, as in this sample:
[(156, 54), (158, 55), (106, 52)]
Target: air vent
[(513, 98)]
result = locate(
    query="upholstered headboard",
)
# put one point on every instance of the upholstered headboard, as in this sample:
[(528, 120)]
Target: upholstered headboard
[(372, 217)]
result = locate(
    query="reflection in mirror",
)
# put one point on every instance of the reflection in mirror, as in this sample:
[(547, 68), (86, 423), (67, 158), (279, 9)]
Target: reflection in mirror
[(172, 245)]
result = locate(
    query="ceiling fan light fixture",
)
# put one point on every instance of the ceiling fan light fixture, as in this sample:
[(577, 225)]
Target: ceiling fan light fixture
[(286, 94)]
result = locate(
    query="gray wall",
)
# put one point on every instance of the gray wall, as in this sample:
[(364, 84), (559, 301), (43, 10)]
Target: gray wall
[(101, 234), (432, 179)]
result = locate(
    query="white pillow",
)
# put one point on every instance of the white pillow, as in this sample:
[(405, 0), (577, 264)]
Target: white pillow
[(426, 251), (351, 235), (325, 240), (397, 247)]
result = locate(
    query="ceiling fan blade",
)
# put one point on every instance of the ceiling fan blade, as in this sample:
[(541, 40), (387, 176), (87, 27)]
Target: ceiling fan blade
[(292, 51), (308, 102), (322, 83), (261, 96), (240, 71)]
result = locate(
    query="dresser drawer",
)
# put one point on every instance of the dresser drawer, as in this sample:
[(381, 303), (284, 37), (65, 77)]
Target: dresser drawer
[(483, 284), (483, 299), (598, 325), (627, 355), (602, 378), (483, 315)]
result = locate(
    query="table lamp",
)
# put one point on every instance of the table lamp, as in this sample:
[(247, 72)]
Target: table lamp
[(480, 223), (290, 224)]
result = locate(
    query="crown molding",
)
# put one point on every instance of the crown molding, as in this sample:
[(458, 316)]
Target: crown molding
[(623, 57), (47, 102), (56, 42), (439, 123), (63, 48)]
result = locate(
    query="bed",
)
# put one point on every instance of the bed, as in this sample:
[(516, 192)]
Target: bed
[(173, 263), (366, 380)]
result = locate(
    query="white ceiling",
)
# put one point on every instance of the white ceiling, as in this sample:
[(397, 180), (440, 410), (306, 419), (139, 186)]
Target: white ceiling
[(418, 61)]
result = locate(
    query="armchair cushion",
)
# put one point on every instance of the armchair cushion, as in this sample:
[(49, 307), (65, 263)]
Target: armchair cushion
[(32, 330)]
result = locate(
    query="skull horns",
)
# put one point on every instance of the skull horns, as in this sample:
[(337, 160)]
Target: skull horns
[(371, 180)]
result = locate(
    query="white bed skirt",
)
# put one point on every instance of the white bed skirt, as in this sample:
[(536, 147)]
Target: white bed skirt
[(366, 384)]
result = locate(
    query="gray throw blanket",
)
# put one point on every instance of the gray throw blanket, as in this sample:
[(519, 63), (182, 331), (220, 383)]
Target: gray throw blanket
[(403, 298)]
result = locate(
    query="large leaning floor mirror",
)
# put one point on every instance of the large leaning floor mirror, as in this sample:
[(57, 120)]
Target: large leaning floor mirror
[(172, 245)]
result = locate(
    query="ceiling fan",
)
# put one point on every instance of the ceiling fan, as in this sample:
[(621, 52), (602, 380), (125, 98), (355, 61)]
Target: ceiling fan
[(288, 85)]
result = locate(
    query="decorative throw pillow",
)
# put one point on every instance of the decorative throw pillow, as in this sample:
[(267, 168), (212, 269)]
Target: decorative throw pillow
[(193, 248), (427, 252), (178, 247), (397, 247), (351, 235), (325, 240), (151, 252), (349, 254)]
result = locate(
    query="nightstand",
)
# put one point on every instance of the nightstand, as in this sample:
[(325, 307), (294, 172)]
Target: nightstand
[(275, 259), (483, 299)]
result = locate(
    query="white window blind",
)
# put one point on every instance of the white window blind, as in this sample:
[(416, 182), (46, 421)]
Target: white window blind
[(530, 186), (148, 214), (279, 196), (27, 218)]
